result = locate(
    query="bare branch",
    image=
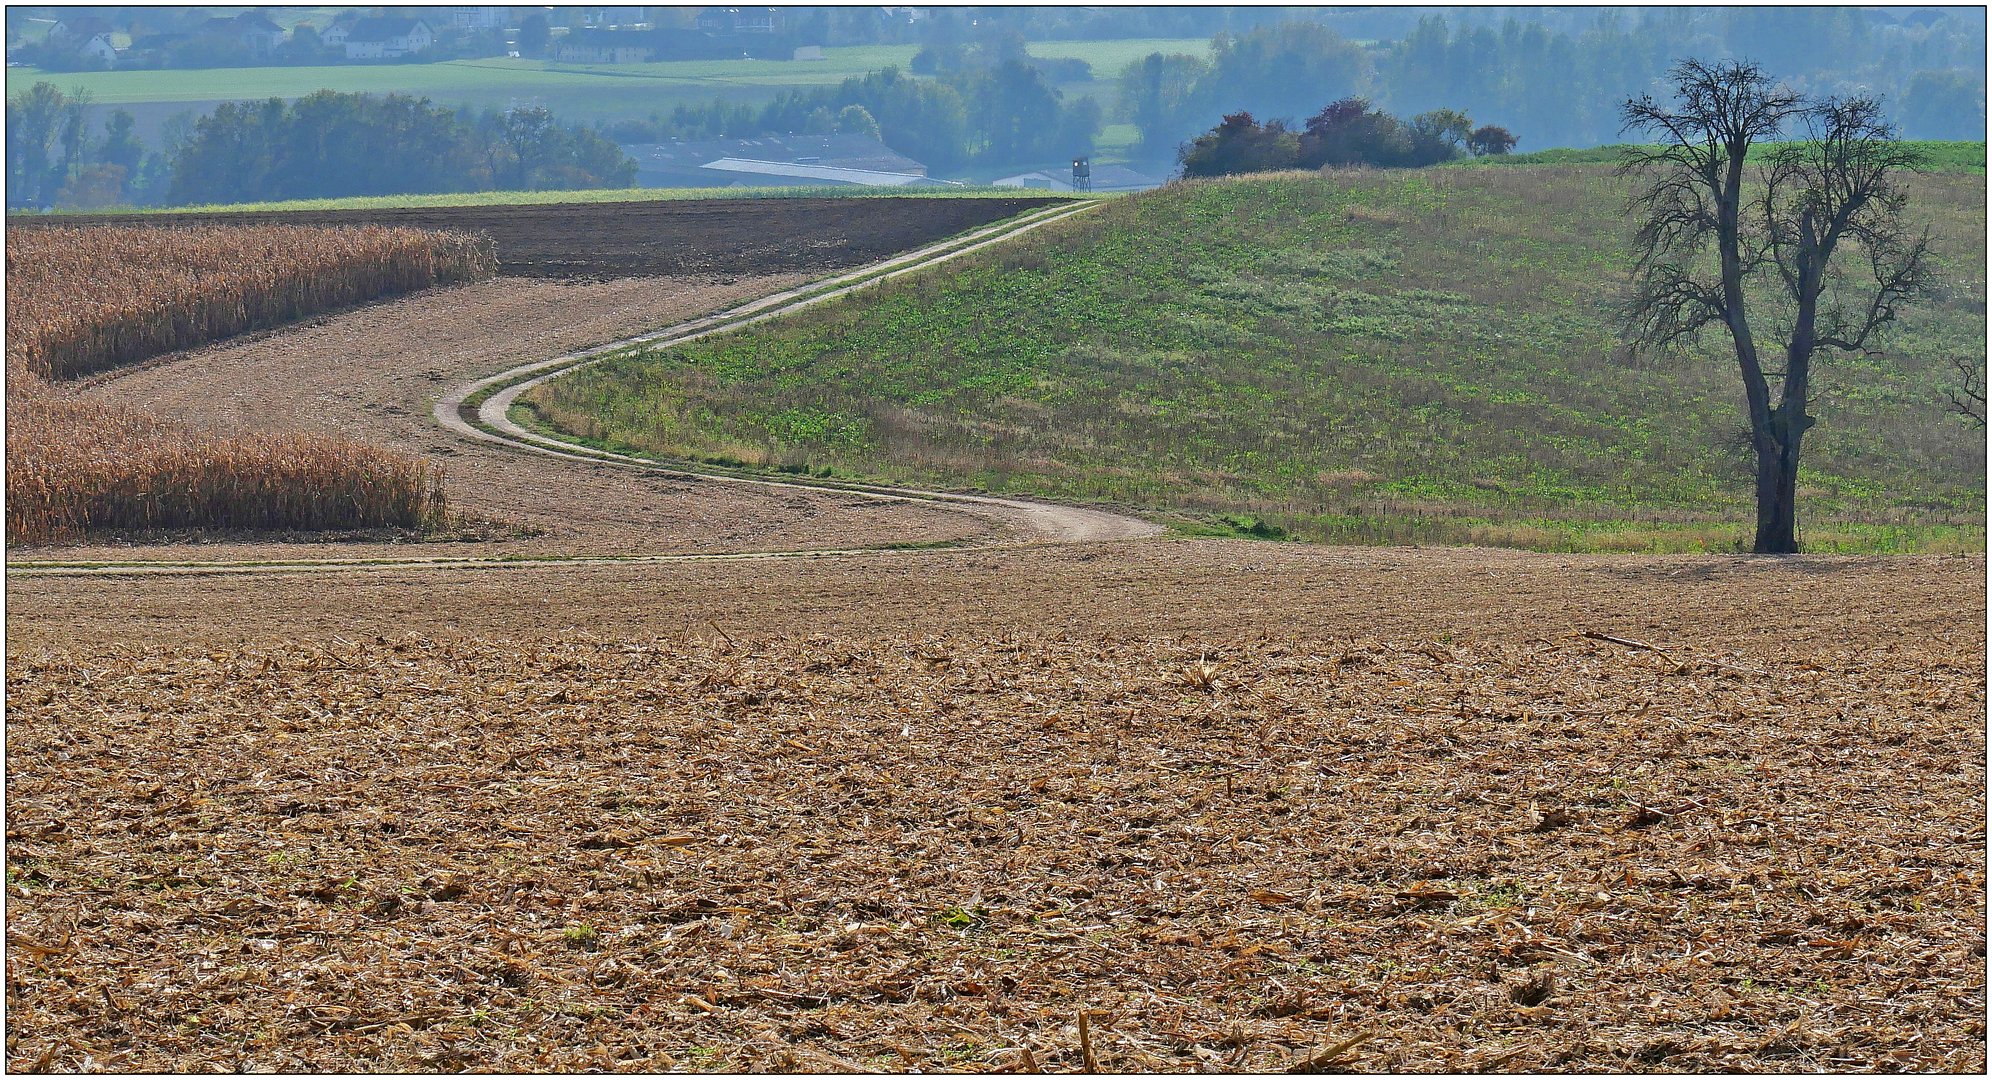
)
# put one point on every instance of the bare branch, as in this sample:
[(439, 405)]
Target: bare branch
[(1967, 398)]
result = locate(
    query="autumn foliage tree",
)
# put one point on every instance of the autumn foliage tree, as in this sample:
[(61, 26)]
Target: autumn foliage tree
[(1345, 132), (1489, 140)]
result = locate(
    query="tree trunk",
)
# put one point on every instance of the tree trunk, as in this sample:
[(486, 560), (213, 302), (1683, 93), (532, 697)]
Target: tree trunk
[(1777, 487)]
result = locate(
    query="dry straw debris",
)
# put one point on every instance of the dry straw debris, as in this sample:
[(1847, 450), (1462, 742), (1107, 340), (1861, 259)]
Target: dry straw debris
[(80, 300), (951, 852)]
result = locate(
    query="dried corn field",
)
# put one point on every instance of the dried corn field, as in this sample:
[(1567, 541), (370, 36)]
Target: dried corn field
[(80, 300), (84, 299), (962, 852), (76, 468)]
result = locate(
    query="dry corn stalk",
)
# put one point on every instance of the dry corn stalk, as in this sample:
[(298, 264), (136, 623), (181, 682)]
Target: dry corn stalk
[(84, 299)]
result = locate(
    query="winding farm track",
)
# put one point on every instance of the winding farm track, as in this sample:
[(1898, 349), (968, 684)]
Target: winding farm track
[(1010, 522)]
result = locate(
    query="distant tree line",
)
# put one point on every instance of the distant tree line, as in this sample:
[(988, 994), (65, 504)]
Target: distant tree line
[(329, 144), (990, 105), (1558, 85), (1348, 132), (54, 160), (324, 145)]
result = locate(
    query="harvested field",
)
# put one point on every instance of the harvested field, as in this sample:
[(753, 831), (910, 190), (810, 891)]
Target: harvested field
[(1213, 805), (1272, 800), (666, 238)]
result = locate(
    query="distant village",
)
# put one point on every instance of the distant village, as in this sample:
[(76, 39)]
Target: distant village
[(153, 38), (133, 38)]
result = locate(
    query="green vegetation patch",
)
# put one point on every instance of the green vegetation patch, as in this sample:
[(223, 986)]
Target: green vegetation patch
[(1372, 357), (1938, 156), (488, 80)]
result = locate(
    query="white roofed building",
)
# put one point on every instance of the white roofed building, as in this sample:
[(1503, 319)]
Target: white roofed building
[(774, 160)]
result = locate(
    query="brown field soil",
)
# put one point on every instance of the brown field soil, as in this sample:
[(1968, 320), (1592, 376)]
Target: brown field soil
[(670, 238), (372, 374), (1153, 804), (1237, 805)]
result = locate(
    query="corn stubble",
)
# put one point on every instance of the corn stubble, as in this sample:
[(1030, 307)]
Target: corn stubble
[(725, 851), (85, 300)]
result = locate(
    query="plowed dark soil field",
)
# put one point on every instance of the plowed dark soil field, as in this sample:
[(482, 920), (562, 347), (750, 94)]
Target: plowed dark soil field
[(663, 238)]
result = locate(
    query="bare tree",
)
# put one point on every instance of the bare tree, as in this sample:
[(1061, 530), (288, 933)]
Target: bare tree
[(1773, 232), (1967, 394)]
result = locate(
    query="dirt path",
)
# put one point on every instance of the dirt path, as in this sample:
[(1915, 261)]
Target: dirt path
[(374, 373), (492, 420)]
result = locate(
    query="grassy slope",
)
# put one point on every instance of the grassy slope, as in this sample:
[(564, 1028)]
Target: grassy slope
[(1944, 156), (1381, 356)]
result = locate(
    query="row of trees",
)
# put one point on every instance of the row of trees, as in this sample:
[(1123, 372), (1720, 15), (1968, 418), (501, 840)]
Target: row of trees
[(992, 110), (1348, 132), (330, 144), (324, 145), (53, 158), (1558, 85)]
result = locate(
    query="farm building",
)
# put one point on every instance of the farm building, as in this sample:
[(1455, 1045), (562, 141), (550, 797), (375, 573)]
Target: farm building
[(100, 50), (257, 32), (387, 38), (750, 20), (604, 47), (625, 15), (1105, 178), (774, 160), (90, 38), (479, 18), (79, 30)]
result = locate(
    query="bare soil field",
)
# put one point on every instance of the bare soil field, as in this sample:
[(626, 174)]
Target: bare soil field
[(1228, 805), (669, 238), (1151, 587)]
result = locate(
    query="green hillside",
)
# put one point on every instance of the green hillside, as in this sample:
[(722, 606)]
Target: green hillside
[(1938, 156), (1372, 357)]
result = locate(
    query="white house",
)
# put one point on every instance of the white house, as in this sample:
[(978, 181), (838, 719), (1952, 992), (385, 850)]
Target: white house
[(100, 50), (384, 39), (258, 32), (79, 30)]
